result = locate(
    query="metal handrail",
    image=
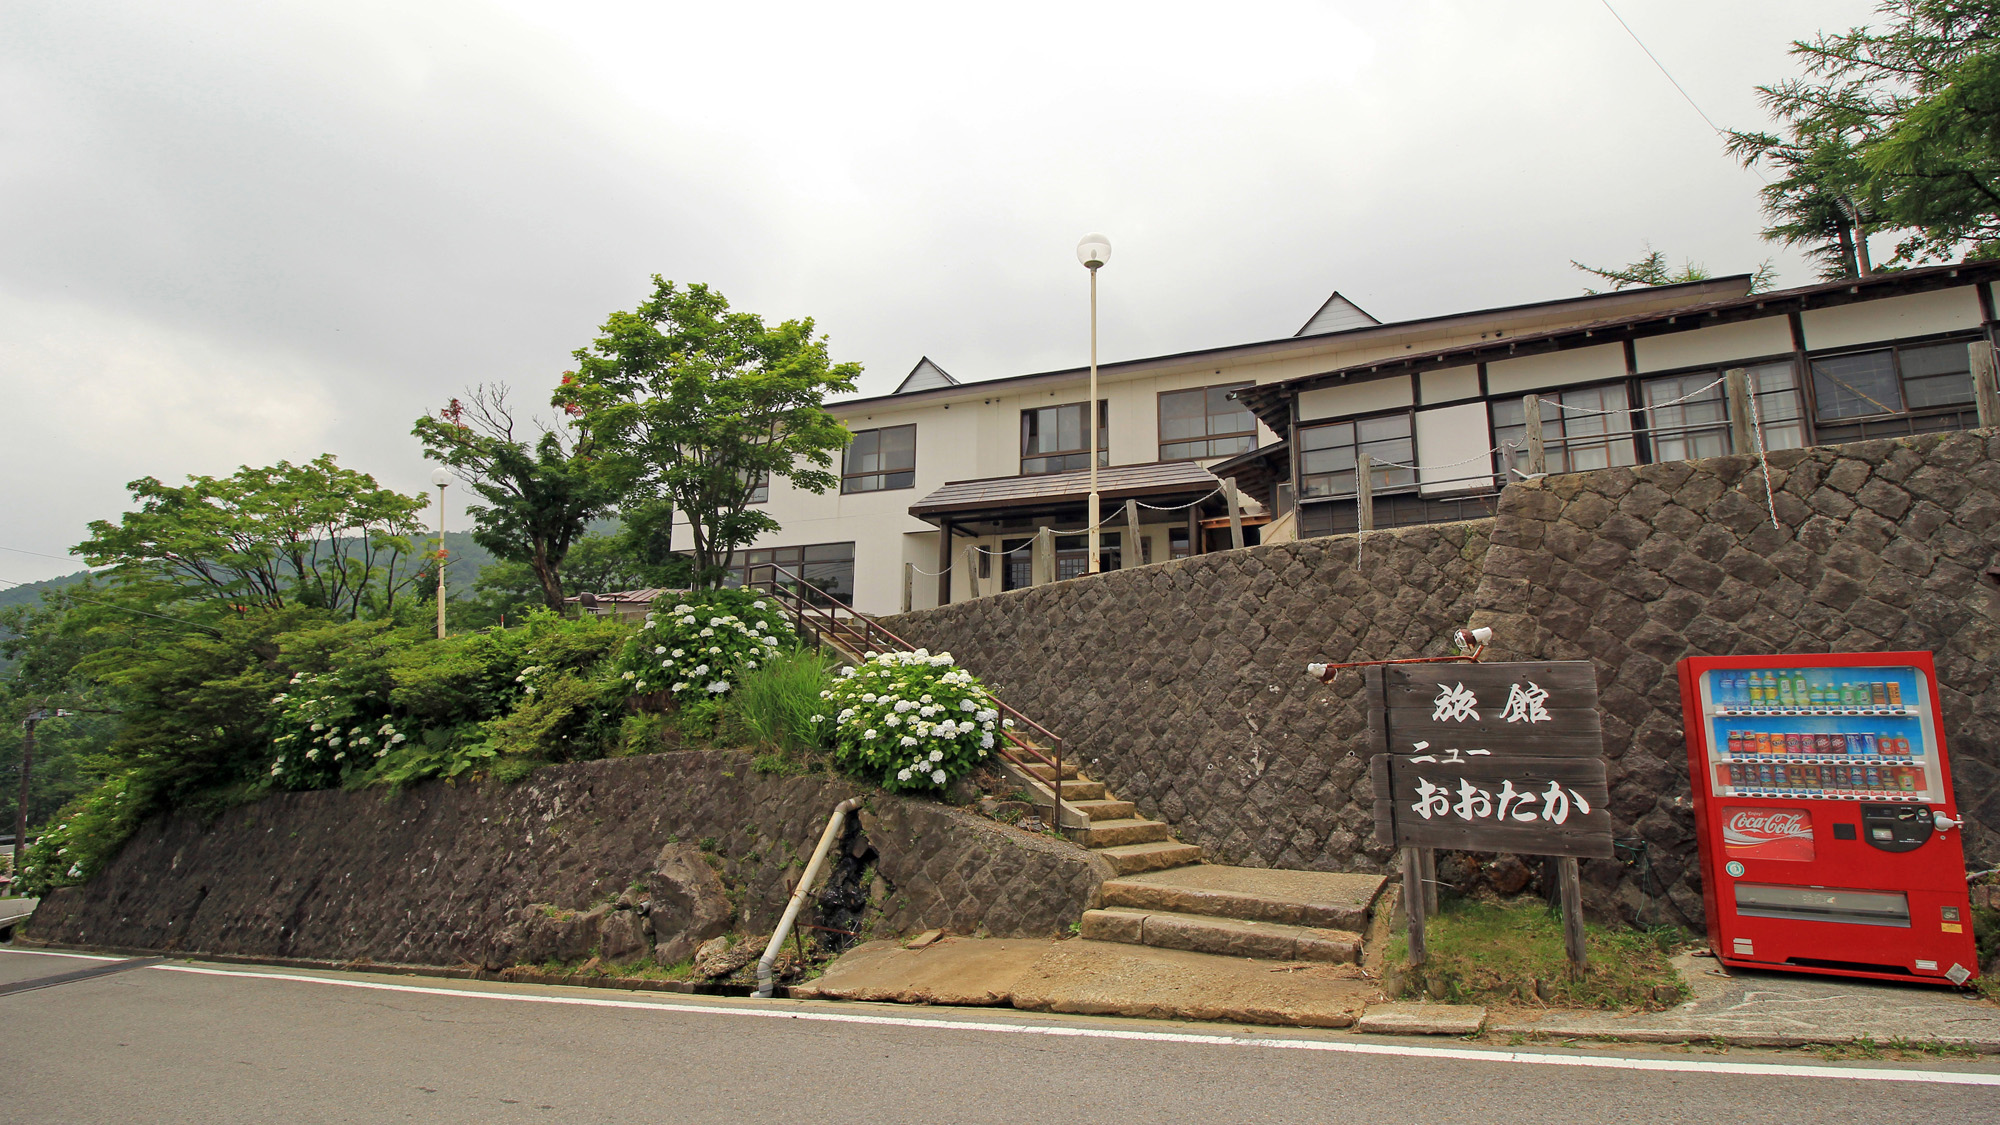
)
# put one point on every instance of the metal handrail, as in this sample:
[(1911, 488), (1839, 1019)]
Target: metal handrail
[(798, 605)]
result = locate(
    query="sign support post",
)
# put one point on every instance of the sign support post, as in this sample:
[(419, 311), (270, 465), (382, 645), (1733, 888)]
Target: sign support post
[(1413, 903)]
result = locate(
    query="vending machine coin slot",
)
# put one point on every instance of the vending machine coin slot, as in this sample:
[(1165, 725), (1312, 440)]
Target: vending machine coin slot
[(1896, 828)]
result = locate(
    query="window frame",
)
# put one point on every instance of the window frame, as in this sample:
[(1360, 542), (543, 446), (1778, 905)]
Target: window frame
[(1209, 435), (885, 474), (1081, 453), (1387, 479), (744, 559), (1895, 348)]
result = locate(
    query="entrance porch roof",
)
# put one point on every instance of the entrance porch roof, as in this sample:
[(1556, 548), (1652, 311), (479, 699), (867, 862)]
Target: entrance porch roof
[(995, 497)]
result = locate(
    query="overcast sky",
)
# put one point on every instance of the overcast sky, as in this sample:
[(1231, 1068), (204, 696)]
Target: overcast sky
[(237, 232)]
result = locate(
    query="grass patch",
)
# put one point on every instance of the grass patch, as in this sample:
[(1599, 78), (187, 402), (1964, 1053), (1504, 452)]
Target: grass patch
[(772, 706), (1512, 952)]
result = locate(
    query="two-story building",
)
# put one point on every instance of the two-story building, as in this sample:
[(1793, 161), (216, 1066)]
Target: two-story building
[(954, 490)]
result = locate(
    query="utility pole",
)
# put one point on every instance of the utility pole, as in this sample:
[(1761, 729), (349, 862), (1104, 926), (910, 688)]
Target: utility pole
[(27, 766)]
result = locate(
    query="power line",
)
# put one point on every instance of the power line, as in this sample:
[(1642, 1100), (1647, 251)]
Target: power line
[(1689, 98), (43, 554), (128, 609)]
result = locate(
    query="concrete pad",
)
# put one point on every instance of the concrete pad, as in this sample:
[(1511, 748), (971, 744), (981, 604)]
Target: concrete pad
[(1422, 1019), (977, 972), (1107, 978), (1330, 899), (1758, 1009)]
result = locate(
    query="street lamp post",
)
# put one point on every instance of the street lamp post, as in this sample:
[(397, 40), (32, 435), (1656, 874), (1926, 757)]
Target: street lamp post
[(441, 478), (1093, 251)]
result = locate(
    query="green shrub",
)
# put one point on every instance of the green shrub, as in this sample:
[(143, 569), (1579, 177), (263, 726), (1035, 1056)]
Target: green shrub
[(86, 834), (909, 720), (775, 706), (701, 646)]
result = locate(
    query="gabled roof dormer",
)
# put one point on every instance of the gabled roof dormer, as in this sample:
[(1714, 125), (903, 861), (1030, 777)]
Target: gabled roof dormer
[(1338, 314), (925, 376)]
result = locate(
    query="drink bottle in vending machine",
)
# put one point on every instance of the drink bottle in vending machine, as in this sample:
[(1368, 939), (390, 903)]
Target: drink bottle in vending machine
[(1824, 810)]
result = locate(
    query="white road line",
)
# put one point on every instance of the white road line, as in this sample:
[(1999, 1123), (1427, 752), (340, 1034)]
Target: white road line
[(53, 953), (1696, 1066)]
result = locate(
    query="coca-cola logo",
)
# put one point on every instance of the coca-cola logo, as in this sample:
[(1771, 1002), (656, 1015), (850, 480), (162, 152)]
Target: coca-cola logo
[(1766, 825)]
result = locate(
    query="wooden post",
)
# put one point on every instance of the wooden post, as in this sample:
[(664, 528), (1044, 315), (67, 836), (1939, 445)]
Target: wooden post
[(909, 584), (1195, 537), (1531, 413), (944, 562), (1042, 558), (1985, 384), (1413, 903), (1235, 512), (1571, 886), (1364, 493), (972, 571), (1427, 859), (1742, 439), (1134, 552)]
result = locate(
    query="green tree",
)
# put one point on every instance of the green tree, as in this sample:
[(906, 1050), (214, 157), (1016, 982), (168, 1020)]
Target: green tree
[(703, 404), (541, 494), (1894, 129), (313, 534), (1654, 269)]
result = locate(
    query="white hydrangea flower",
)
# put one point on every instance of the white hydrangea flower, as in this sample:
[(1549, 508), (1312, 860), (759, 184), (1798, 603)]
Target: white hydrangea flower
[(893, 720), (627, 676), (904, 705), (701, 669), (319, 726), (937, 755), (906, 740), (985, 742), (682, 686), (659, 649), (937, 776), (683, 608), (901, 774), (718, 687), (679, 652), (869, 733), (649, 623), (967, 705)]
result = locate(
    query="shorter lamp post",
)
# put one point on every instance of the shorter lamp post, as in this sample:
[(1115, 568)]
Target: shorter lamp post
[(441, 478), (1093, 251)]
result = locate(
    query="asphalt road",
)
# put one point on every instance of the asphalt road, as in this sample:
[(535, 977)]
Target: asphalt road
[(191, 1043)]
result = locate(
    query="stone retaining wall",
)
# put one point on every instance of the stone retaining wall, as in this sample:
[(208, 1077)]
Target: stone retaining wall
[(436, 875), (1182, 683)]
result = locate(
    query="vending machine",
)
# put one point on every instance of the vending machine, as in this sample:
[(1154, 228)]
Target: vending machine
[(1829, 836)]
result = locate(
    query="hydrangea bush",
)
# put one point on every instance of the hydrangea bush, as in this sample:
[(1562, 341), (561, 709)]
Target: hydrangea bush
[(324, 730), (699, 647), (912, 720)]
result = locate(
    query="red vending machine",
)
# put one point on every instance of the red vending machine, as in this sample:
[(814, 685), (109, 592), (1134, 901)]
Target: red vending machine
[(1822, 793)]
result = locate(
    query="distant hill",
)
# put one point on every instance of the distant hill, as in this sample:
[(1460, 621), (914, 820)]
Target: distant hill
[(31, 592)]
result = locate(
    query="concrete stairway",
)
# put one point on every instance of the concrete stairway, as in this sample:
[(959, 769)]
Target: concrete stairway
[(1114, 829), (1238, 912)]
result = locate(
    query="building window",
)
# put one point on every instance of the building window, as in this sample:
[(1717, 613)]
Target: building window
[(1018, 560), (880, 460), (1202, 423), (760, 493), (1177, 543), (1073, 554), (828, 566), (1054, 439), (1329, 453), (1892, 381), (1686, 416), (1583, 428)]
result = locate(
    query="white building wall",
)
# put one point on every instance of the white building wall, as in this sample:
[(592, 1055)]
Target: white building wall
[(1449, 435), (1555, 369), (1725, 343), (1891, 318)]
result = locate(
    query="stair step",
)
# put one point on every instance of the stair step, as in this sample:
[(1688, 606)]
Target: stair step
[(1076, 791), (1326, 899), (1098, 810), (1226, 937), (1130, 859), (1125, 830), (1047, 772)]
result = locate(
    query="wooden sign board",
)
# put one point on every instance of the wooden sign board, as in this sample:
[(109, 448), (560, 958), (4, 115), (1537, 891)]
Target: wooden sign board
[(1489, 758)]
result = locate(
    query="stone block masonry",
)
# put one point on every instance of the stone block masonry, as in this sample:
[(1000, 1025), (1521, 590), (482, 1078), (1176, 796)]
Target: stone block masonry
[(437, 875), (1182, 683)]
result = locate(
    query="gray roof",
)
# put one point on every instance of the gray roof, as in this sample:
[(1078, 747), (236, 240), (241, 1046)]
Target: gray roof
[(1115, 482)]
